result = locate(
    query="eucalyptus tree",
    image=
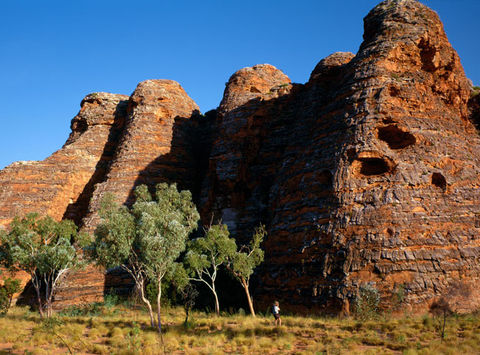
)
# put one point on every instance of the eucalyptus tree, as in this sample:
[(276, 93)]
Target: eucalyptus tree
[(146, 239), (243, 262), (206, 254), (45, 249)]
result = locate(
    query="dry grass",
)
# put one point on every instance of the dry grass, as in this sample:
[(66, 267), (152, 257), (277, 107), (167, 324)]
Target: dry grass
[(121, 330)]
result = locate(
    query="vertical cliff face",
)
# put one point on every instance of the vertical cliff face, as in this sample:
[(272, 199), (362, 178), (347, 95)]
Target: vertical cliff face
[(362, 175), (407, 176), (153, 147), (474, 107), (233, 192), (59, 183)]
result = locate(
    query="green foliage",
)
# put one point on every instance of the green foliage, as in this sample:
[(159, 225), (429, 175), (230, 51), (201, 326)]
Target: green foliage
[(210, 251), (91, 310), (366, 302), (7, 290), (45, 249), (133, 338), (475, 91), (206, 254), (146, 239), (110, 300), (163, 227), (115, 235), (249, 257), (398, 296), (245, 260)]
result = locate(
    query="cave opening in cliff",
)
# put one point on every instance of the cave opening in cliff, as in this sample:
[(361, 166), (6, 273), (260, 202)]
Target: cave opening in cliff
[(373, 166), (439, 181), (395, 137)]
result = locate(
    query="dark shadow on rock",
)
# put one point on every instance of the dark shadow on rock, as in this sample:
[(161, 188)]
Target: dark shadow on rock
[(474, 108), (77, 211), (288, 149), (185, 164)]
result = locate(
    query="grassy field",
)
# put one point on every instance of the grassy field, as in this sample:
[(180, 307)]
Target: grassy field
[(121, 330)]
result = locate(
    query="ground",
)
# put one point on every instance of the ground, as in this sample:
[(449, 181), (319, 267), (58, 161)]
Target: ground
[(123, 329)]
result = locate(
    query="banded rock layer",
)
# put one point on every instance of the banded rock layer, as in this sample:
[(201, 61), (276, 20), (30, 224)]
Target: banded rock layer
[(56, 184), (367, 174)]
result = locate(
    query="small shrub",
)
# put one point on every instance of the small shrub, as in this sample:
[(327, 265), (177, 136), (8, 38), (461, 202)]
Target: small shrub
[(111, 300), (475, 91), (445, 306), (9, 288), (366, 302), (398, 296), (133, 338), (92, 309)]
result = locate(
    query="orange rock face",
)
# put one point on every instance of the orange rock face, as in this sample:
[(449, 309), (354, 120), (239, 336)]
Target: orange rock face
[(56, 185), (367, 174), (152, 147)]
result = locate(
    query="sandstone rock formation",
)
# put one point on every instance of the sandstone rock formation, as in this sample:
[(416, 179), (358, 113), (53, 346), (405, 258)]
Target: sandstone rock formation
[(367, 174), (153, 146), (57, 185)]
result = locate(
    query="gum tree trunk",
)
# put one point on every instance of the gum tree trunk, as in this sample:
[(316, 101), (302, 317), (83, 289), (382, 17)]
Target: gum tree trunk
[(249, 299)]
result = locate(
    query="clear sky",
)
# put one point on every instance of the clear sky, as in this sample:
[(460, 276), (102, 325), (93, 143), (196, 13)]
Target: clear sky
[(53, 53)]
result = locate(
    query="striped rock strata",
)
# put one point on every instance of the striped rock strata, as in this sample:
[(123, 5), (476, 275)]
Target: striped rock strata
[(57, 185), (367, 174), (152, 147)]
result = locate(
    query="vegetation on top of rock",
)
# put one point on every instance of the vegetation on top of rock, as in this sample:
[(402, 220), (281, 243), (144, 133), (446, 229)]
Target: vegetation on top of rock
[(475, 91)]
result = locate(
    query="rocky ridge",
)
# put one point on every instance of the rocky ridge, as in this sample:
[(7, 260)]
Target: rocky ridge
[(369, 173)]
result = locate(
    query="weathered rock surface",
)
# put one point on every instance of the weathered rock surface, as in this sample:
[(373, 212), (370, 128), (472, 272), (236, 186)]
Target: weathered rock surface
[(368, 173), (474, 107), (59, 185), (153, 146)]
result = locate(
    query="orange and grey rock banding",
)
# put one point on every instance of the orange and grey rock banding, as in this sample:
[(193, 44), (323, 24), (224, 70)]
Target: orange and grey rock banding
[(367, 173)]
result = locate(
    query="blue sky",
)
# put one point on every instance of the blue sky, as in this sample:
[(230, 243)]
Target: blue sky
[(53, 53)]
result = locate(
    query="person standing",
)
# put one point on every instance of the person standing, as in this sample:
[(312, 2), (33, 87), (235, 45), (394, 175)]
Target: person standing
[(276, 313)]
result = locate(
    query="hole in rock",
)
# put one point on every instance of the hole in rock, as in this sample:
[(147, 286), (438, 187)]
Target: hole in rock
[(373, 166), (439, 181), (351, 153), (254, 90), (395, 137), (427, 55), (325, 178), (388, 120), (394, 91)]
